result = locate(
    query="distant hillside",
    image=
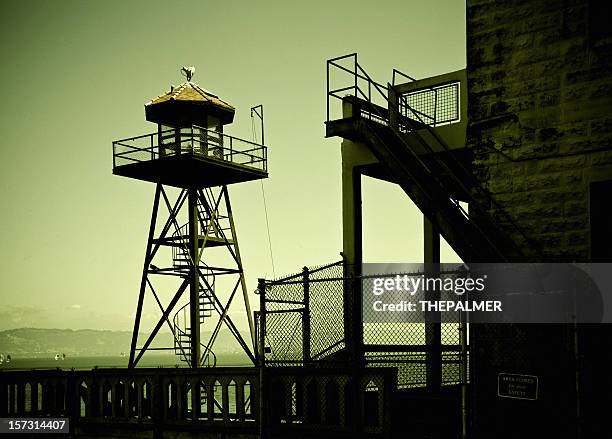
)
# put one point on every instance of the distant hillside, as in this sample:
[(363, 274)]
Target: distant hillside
[(34, 342)]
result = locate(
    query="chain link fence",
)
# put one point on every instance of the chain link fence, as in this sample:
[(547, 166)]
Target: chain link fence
[(304, 321), (304, 316)]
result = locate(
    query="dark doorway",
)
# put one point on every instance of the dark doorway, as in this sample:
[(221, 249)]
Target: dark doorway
[(601, 221)]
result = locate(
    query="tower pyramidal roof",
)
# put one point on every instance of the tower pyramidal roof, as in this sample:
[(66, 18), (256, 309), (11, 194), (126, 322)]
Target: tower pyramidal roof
[(189, 104), (190, 92)]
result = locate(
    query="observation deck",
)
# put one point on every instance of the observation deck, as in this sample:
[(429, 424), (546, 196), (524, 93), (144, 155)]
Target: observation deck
[(193, 157)]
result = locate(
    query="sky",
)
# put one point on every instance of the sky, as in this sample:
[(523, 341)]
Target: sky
[(76, 76)]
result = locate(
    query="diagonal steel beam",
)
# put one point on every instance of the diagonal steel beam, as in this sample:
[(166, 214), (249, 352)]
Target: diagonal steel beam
[(173, 212), (245, 293), (222, 315), (176, 340), (159, 324), (230, 324), (145, 268)]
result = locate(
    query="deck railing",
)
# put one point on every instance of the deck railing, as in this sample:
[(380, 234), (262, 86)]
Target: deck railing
[(338, 401), (195, 140), (141, 396)]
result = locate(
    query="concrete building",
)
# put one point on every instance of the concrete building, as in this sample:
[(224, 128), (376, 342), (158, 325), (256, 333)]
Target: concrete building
[(540, 128)]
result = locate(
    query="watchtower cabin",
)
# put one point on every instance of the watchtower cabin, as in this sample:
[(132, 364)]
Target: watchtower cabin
[(189, 148), (190, 151)]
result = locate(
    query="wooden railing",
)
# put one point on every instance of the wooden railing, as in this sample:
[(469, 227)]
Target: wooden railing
[(334, 401)]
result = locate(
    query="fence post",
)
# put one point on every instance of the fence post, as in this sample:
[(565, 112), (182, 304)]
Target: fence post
[(355, 73), (463, 341), (433, 328), (261, 287), (306, 318), (327, 83)]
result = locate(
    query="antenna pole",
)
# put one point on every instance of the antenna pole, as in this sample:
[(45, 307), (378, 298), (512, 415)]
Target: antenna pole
[(258, 110)]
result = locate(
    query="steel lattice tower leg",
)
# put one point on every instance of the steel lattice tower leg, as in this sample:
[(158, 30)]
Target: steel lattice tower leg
[(194, 278), (210, 223)]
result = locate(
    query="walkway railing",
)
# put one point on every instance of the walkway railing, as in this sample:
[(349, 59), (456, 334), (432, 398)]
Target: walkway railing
[(200, 142), (338, 401), (142, 396)]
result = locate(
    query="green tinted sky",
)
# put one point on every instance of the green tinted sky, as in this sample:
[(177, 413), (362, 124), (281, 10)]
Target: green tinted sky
[(75, 76)]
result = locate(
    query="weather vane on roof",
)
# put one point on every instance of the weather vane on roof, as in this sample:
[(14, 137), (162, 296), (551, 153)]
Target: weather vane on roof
[(188, 72)]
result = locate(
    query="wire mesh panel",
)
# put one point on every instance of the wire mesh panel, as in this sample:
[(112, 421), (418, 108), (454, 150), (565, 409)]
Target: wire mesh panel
[(283, 340), (304, 316), (432, 106), (304, 325), (326, 312), (397, 333)]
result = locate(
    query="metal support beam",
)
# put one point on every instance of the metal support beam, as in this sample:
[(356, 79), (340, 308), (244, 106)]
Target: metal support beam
[(433, 334), (245, 293), (159, 324), (209, 224), (259, 112), (261, 350), (352, 251), (306, 318), (143, 281), (194, 281)]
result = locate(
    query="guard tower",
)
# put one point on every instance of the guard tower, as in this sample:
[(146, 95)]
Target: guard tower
[(192, 250)]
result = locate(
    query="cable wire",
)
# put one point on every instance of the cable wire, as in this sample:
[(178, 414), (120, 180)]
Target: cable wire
[(263, 195)]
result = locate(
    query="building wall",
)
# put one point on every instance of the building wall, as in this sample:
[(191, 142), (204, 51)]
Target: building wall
[(540, 127), (540, 95)]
